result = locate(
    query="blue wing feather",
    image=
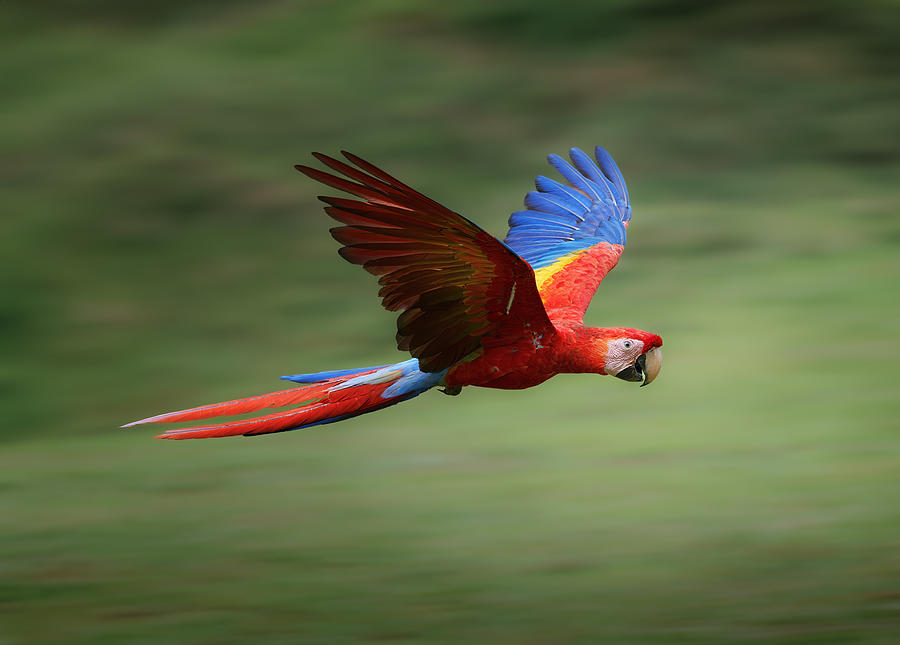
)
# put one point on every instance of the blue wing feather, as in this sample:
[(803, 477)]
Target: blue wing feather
[(568, 195), (539, 220), (574, 177), (589, 168), (612, 172), (544, 203), (561, 219)]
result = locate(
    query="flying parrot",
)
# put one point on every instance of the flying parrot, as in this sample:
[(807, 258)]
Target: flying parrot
[(473, 310)]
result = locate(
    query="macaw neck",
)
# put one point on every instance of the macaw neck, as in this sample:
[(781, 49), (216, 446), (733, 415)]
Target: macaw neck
[(582, 350)]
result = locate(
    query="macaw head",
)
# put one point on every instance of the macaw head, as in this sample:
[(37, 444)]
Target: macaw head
[(632, 354)]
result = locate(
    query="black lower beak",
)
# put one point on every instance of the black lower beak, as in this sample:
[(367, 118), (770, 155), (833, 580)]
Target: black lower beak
[(636, 372)]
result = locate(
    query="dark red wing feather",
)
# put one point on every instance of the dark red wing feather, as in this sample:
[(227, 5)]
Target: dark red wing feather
[(454, 283)]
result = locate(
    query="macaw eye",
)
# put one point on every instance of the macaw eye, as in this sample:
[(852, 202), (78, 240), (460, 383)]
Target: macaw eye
[(627, 344)]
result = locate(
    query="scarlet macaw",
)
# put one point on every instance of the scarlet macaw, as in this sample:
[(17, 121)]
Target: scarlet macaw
[(475, 310)]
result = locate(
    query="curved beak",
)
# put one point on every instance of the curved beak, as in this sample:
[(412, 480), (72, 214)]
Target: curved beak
[(645, 368), (652, 365)]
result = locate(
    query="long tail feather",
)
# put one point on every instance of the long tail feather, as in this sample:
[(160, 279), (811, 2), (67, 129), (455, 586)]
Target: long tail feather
[(319, 413), (326, 397), (316, 385), (238, 406)]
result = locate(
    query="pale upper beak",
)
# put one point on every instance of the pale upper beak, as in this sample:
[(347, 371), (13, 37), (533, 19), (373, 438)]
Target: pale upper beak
[(645, 368), (652, 365)]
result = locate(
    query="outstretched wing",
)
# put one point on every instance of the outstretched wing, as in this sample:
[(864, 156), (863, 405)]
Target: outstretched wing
[(454, 283), (573, 235)]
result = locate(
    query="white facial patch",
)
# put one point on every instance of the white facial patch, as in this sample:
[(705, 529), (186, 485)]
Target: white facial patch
[(622, 353)]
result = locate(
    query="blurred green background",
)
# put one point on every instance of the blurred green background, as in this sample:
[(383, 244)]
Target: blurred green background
[(159, 252)]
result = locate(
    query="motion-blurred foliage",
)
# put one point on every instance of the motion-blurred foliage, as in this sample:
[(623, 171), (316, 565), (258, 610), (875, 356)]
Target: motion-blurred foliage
[(159, 252)]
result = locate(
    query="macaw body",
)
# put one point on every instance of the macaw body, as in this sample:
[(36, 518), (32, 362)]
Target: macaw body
[(475, 311), (569, 349)]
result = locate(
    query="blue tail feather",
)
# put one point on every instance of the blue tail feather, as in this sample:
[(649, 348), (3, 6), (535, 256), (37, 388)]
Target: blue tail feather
[(318, 377), (410, 381)]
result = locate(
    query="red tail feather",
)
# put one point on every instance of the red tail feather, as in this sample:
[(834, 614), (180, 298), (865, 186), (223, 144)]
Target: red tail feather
[(332, 407), (241, 406), (323, 402)]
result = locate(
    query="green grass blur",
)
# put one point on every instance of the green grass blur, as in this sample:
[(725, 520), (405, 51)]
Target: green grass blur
[(159, 252)]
